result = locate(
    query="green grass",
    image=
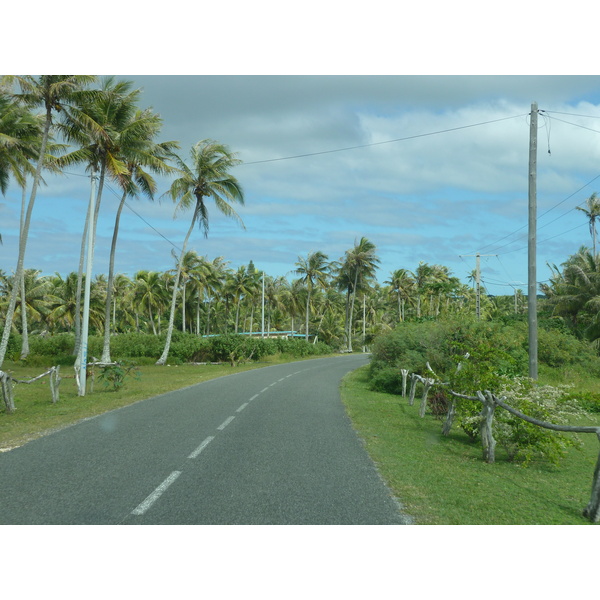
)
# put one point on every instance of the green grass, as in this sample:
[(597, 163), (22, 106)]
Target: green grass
[(444, 480), (36, 415)]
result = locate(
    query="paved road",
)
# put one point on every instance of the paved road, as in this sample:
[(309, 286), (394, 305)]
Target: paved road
[(270, 446)]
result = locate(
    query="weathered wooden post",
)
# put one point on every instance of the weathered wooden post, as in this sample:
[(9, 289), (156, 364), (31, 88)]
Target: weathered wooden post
[(449, 417), (404, 376), (487, 418), (55, 383), (592, 510), (7, 392), (413, 386), (427, 383)]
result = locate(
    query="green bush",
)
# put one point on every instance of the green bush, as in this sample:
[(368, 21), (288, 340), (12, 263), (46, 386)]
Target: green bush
[(525, 441), (13, 350)]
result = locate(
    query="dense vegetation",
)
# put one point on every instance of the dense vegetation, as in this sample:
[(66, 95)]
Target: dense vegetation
[(470, 356)]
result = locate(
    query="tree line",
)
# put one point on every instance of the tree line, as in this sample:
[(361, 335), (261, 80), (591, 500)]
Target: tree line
[(52, 122)]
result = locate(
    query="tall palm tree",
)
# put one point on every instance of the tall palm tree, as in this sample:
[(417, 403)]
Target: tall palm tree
[(95, 126), (313, 271), (148, 293), (359, 265), (52, 92), (20, 137), (208, 177), (216, 275), (401, 283), (239, 285), (141, 155), (592, 212)]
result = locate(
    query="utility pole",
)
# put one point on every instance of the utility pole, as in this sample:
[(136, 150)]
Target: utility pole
[(262, 334), (532, 274), (478, 281)]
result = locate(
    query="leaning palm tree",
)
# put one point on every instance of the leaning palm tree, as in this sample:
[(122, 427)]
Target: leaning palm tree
[(95, 125), (51, 92), (592, 212), (141, 156), (208, 177)]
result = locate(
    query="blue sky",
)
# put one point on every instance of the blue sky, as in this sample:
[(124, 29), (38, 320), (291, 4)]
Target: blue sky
[(457, 186)]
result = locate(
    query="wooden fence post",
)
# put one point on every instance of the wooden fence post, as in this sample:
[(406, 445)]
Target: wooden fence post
[(485, 428), (592, 510), (427, 383), (449, 417), (413, 386), (404, 376), (55, 383), (7, 392)]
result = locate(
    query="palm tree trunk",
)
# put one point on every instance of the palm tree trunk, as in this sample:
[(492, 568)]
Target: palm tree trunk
[(307, 313), (109, 287), (24, 330), (183, 307), (79, 286), (163, 358), (352, 312), (10, 312), (81, 258)]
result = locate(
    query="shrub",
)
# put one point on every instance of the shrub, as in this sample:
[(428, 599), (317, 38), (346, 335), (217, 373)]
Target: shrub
[(524, 441)]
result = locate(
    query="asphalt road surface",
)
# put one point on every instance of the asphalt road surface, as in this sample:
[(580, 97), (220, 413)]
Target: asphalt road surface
[(269, 446)]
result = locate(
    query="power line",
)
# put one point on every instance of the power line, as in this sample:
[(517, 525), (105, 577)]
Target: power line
[(410, 137), (110, 189), (556, 112), (540, 217)]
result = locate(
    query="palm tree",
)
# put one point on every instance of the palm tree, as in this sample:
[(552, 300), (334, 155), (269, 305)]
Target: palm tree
[(208, 177), (359, 266), (95, 125), (216, 275), (314, 270), (592, 212), (148, 293), (20, 137), (53, 92), (140, 155), (401, 283)]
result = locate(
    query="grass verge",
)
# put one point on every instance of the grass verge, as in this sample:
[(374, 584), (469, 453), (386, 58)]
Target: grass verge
[(36, 415), (443, 480)]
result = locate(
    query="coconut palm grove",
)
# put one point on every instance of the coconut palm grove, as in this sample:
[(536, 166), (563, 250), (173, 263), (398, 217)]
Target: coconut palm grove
[(52, 122)]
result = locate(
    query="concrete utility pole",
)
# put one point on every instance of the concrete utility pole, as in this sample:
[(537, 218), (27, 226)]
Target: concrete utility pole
[(478, 281), (532, 272), (262, 330)]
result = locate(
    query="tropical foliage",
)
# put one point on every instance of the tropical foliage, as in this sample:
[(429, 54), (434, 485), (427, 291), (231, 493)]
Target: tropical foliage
[(49, 123)]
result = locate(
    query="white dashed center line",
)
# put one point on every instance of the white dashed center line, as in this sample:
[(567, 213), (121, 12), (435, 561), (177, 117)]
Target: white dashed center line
[(242, 407), (201, 447), (156, 494), (225, 423)]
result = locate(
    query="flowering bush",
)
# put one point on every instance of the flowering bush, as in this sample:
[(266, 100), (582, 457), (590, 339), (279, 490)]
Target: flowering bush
[(525, 441)]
